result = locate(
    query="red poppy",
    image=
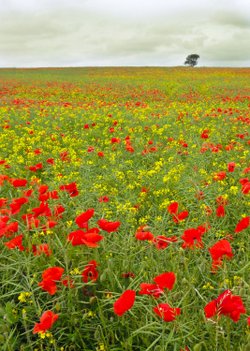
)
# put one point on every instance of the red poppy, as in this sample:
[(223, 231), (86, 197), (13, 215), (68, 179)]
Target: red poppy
[(167, 313), (140, 235), (42, 210), (83, 218), (103, 199), (220, 211), (49, 278), (8, 230), (31, 221), (108, 226), (47, 319), (165, 280), (41, 249), (50, 161), (16, 205), (161, 241), (220, 175), (18, 182), (204, 134), (219, 250), (192, 238), (89, 238), (225, 304), (150, 289), (231, 166), (173, 208), (58, 210), (15, 243), (242, 224), (245, 185), (125, 302), (180, 217), (36, 167), (70, 188), (90, 272)]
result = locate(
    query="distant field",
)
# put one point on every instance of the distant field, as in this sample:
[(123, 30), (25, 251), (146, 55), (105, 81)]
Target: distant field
[(124, 209)]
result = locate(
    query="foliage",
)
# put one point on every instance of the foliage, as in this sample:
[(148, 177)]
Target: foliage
[(192, 60)]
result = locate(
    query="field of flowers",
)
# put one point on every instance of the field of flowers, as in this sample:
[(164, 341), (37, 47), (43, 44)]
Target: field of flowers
[(124, 209)]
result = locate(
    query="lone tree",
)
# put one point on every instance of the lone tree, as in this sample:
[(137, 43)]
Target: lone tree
[(191, 60)]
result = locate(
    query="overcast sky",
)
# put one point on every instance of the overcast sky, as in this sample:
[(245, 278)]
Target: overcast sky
[(36, 33)]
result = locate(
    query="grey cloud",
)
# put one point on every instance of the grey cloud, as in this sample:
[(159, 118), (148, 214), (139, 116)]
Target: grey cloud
[(81, 34)]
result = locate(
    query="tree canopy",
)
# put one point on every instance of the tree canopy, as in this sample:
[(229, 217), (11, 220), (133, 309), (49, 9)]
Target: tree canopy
[(191, 60)]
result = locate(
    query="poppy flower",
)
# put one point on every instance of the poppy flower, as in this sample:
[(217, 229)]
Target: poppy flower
[(220, 211), (16, 205), (89, 238), (231, 166), (90, 272), (8, 230), (242, 224), (220, 175), (125, 302), (225, 304), (167, 313), (161, 241), (173, 208), (17, 183), (36, 167), (180, 216), (150, 289), (15, 243), (108, 226), (141, 235), (204, 134), (103, 199), (219, 250), (42, 210), (41, 249), (192, 238), (83, 218), (49, 278), (70, 188), (47, 320), (165, 280)]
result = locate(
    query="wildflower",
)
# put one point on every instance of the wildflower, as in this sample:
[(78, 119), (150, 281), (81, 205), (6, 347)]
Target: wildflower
[(225, 304), (219, 250), (89, 238), (83, 218), (165, 280), (16, 242), (161, 241), (192, 237), (108, 226), (231, 166), (70, 188), (150, 289), (47, 320), (141, 235), (167, 313), (49, 278), (18, 182), (41, 249), (125, 302), (220, 211), (90, 272), (242, 224)]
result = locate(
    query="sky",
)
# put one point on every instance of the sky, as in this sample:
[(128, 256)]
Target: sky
[(55, 33)]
